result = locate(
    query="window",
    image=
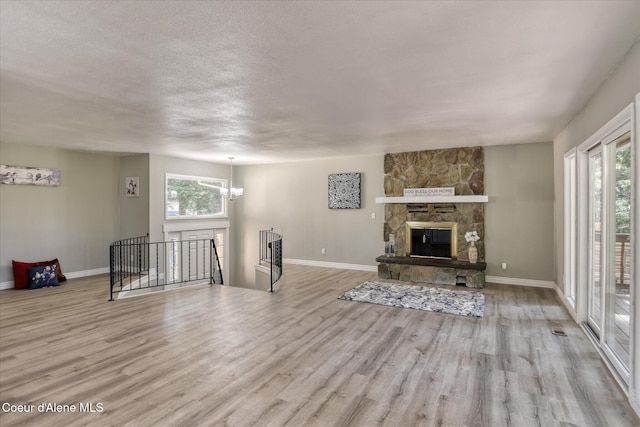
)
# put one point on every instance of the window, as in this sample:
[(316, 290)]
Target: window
[(194, 197)]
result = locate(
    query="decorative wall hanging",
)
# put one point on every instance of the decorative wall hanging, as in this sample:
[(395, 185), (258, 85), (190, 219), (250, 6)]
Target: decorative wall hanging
[(21, 175), (344, 191), (132, 184)]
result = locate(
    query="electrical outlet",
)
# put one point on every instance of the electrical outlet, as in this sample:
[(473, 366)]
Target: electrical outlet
[(323, 251), (504, 265), (373, 215)]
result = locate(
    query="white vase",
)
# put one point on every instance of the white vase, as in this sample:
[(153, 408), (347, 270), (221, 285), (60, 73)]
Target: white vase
[(473, 253)]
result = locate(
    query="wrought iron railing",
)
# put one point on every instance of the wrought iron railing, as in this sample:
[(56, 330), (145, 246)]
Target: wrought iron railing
[(136, 251), (137, 266), (271, 254), (623, 260)]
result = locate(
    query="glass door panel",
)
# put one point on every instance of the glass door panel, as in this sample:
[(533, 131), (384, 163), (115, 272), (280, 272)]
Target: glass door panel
[(595, 237), (620, 256)]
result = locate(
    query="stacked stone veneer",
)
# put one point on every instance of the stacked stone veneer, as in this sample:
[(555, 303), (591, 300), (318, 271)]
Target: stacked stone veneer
[(461, 168)]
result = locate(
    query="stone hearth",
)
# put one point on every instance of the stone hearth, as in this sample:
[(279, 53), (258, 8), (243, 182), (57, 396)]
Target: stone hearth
[(435, 271)]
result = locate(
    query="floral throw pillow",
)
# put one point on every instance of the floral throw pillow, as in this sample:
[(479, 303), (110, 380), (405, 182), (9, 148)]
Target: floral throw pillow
[(41, 276)]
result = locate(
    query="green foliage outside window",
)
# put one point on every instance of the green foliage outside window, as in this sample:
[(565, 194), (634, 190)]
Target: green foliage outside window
[(188, 196), (623, 190)]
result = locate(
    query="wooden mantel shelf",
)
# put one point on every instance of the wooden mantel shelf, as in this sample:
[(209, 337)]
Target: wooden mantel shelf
[(434, 199)]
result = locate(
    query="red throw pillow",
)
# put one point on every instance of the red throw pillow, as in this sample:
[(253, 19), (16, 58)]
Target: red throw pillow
[(21, 273)]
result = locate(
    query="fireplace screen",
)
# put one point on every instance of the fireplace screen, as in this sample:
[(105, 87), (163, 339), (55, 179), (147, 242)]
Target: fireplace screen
[(432, 239)]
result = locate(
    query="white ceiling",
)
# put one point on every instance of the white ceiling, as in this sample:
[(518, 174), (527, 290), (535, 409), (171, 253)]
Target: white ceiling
[(281, 81)]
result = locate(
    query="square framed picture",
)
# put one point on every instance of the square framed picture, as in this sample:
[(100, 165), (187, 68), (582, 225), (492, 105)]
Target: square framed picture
[(344, 190), (132, 186)]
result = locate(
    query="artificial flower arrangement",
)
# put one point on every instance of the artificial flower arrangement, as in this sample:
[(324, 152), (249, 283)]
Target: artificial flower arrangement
[(471, 236)]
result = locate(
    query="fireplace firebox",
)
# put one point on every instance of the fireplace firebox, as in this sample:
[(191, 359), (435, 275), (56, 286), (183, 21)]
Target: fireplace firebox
[(432, 239)]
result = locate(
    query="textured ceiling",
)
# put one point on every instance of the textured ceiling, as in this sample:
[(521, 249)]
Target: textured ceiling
[(280, 81)]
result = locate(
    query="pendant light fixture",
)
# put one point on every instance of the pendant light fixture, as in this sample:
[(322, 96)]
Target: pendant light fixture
[(232, 193)]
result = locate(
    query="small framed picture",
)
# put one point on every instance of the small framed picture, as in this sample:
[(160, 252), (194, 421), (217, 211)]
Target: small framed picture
[(132, 186)]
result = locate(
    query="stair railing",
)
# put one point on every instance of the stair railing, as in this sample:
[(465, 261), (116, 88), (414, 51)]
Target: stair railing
[(136, 265), (271, 254)]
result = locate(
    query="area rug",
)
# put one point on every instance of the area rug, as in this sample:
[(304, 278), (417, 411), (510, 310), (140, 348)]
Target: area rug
[(462, 303)]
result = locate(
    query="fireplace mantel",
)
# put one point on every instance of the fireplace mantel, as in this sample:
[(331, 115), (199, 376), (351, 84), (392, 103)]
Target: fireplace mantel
[(434, 199)]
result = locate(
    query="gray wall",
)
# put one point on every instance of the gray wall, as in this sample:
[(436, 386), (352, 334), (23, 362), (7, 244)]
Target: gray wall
[(134, 211), (75, 222), (519, 216), (292, 198), (616, 93)]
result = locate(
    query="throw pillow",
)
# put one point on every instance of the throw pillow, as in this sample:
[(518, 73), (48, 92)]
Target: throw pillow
[(21, 274), (61, 277), (43, 275)]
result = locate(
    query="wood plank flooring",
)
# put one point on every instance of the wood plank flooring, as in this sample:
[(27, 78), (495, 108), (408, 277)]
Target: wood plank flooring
[(216, 355)]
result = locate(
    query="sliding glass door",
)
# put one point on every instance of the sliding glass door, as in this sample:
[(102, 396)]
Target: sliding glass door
[(601, 243), (610, 258)]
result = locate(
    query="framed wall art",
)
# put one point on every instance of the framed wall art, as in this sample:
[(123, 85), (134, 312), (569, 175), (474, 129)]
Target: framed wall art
[(344, 190), (22, 175), (132, 184)]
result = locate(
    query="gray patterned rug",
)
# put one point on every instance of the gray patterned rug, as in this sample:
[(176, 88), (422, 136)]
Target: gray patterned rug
[(463, 303)]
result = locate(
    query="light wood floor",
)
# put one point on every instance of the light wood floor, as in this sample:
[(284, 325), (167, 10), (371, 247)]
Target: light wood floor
[(213, 355)]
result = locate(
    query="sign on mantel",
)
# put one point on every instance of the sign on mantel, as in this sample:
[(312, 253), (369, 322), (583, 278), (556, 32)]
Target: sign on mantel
[(438, 191)]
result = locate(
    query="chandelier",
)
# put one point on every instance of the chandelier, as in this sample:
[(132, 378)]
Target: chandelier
[(232, 193)]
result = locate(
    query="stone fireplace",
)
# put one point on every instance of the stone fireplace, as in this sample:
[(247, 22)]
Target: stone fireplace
[(434, 261)]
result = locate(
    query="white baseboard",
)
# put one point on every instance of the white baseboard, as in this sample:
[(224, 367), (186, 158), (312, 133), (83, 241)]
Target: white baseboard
[(374, 268), (327, 264), (263, 268), (338, 265), (72, 275), (567, 305), (520, 282), (86, 273), (634, 401), (6, 285)]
